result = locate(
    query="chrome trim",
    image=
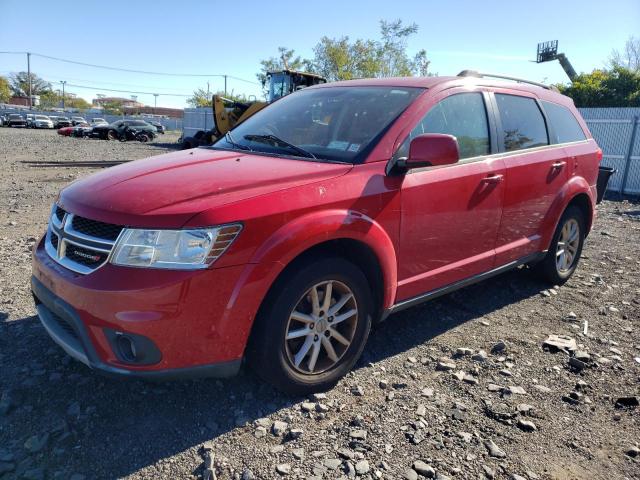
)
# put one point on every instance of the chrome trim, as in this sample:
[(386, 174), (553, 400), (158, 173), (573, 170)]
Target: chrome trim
[(67, 235)]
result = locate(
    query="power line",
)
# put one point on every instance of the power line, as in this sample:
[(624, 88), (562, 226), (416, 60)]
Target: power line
[(119, 69), (128, 91)]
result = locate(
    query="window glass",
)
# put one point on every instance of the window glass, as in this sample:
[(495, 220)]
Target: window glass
[(329, 123), (565, 126), (462, 115), (522, 122)]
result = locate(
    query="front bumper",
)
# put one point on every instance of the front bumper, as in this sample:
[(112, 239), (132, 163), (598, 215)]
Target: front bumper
[(183, 318)]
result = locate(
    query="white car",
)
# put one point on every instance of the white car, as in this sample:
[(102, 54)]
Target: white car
[(96, 122), (41, 121)]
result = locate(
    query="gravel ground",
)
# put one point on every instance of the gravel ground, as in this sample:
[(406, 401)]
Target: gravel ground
[(461, 387)]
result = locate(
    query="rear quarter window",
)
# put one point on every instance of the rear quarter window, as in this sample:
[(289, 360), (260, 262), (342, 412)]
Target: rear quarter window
[(565, 126), (523, 124)]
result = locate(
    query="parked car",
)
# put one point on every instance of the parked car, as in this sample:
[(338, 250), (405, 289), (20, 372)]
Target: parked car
[(41, 121), (323, 213), (79, 130), (159, 127), (76, 120), (95, 122), (16, 120), (3, 120), (29, 120), (60, 121), (112, 131)]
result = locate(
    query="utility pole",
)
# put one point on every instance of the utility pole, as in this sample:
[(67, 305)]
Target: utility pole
[(225, 85), (155, 102), (29, 77), (63, 82)]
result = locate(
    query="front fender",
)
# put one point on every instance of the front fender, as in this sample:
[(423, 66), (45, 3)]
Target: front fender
[(312, 229), (575, 186)]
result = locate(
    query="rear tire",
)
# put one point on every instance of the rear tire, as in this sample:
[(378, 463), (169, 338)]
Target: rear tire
[(111, 135), (288, 346), (565, 249)]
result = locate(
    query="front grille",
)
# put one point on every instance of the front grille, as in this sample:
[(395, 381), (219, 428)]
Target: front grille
[(93, 228), (85, 256), (79, 244)]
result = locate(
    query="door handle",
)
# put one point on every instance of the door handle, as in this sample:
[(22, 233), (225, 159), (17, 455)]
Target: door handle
[(558, 165), (497, 178)]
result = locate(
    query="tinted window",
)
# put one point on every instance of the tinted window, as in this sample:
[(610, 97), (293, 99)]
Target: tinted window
[(565, 126), (463, 116), (522, 122)]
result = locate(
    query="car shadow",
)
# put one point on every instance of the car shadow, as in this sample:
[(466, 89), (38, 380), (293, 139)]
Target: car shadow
[(107, 428)]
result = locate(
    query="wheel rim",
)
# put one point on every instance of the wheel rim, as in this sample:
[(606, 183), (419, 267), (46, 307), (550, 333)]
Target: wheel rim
[(321, 327), (568, 243)]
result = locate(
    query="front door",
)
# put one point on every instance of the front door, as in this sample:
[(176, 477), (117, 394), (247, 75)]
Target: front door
[(451, 214)]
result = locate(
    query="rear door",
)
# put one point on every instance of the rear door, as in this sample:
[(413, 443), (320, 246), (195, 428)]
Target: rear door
[(451, 214), (536, 172)]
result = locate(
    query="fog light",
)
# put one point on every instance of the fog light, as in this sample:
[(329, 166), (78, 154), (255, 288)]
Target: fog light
[(126, 347)]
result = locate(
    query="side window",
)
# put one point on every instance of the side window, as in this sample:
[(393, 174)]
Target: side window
[(462, 115), (522, 122), (565, 126)]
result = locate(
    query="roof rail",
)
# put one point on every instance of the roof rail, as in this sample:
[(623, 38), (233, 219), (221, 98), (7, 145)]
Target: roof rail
[(473, 73)]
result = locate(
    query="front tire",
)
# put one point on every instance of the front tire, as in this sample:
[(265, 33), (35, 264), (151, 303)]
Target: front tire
[(312, 327), (565, 249), (111, 135)]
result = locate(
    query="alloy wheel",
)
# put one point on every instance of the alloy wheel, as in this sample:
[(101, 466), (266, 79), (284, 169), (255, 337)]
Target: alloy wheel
[(321, 327), (567, 248)]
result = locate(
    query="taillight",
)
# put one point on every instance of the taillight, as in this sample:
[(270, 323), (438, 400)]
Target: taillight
[(599, 154)]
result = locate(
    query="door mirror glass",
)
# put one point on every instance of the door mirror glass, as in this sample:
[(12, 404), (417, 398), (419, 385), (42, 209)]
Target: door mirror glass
[(432, 150)]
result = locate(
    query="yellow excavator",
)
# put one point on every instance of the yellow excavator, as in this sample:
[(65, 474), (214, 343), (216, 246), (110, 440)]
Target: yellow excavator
[(228, 113)]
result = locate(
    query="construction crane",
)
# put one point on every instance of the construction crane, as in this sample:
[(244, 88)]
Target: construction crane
[(548, 51)]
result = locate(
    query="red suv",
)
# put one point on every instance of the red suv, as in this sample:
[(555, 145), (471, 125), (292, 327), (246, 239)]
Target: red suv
[(315, 218)]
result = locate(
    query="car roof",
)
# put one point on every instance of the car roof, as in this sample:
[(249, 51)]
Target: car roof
[(443, 83)]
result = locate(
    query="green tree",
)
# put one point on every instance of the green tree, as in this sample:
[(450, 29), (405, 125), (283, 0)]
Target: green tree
[(20, 84), (113, 107), (392, 49), (5, 90), (617, 87), (345, 59), (76, 102), (200, 97), (49, 99)]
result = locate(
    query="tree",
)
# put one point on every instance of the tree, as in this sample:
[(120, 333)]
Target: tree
[(629, 57), (51, 99), (113, 107), (20, 84), (393, 48), (617, 87), (200, 98), (5, 90), (344, 59)]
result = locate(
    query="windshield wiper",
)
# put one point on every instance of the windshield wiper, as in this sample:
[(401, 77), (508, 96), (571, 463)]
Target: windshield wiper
[(229, 138), (277, 140)]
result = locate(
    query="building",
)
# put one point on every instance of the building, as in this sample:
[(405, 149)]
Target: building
[(125, 102)]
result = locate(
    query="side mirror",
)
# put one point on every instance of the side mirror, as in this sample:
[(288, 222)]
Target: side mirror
[(432, 150)]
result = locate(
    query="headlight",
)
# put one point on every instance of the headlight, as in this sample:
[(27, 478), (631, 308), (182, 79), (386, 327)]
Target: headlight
[(173, 249)]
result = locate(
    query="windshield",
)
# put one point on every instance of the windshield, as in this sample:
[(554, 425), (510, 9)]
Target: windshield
[(335, 123), (41, 117)]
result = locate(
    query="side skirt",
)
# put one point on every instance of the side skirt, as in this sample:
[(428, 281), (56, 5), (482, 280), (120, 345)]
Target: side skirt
[(424, 297)]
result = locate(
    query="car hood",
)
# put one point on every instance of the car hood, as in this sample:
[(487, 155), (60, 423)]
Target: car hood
[(171, 188)]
